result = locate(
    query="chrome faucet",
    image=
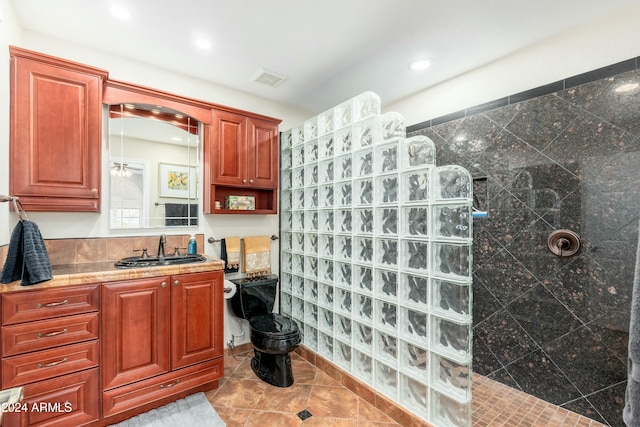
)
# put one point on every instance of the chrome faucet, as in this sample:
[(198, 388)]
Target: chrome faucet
[(163, 240)]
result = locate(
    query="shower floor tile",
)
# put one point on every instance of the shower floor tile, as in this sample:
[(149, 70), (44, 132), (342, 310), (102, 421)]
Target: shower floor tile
[(495, 404)]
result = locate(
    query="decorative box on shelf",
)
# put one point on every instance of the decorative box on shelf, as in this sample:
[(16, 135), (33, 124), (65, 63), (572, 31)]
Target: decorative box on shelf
[(240, 203)]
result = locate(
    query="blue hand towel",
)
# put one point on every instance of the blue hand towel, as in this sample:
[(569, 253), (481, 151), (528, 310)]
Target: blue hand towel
[(27, 258)]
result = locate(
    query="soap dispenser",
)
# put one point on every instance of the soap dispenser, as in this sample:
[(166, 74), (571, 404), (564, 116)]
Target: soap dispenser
[(193, 245)]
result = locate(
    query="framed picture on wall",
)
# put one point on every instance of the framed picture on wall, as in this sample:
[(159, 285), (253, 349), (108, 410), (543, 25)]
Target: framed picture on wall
[(179, 181)]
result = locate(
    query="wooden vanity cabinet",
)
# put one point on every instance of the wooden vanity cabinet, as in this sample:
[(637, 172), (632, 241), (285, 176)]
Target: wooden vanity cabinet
[(241, 157), (161, 336), (50, 347), (56, 133), (97, 354)]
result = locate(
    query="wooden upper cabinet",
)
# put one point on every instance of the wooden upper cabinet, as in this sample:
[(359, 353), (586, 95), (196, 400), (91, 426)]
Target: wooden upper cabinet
[(229, 160), (262, 153), (56, 133), (247, 150), (242, 157)]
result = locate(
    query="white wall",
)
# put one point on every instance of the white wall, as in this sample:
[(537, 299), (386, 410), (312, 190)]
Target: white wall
[(10, 33), (610, 39)]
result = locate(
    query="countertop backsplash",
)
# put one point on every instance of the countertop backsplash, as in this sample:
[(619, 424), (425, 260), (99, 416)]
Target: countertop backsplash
[(105, 249)]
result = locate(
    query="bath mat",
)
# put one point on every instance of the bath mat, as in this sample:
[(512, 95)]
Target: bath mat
[(192, 411)]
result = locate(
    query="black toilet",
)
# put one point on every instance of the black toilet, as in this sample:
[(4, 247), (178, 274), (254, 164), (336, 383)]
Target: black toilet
[(273, 336)]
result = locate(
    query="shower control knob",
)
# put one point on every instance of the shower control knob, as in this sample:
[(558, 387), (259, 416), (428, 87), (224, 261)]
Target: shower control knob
[(564, 243)]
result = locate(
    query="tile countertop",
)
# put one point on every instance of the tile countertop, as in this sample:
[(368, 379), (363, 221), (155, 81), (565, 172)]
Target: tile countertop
[(86, 273)]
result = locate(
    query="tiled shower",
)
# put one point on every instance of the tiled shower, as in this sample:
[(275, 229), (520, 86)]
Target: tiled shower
[(565, 156), (376, 256)]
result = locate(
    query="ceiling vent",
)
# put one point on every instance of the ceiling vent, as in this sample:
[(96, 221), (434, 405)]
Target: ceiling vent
[(269, 78)]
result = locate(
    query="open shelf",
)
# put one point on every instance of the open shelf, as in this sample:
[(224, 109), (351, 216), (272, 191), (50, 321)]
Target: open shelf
[(266, 199)]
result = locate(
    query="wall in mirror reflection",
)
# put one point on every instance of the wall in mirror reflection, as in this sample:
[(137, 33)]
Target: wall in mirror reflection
[(153, 166)]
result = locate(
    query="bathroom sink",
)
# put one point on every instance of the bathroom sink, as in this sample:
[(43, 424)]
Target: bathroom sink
[(139, 261)]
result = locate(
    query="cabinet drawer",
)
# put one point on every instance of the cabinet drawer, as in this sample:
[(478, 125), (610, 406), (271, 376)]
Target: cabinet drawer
[(69, 400), (39, 305), (45, 334), (137, 394), (45, 364)]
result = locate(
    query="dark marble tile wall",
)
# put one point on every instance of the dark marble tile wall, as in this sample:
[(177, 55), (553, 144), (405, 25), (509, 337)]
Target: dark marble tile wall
[(556, 328)]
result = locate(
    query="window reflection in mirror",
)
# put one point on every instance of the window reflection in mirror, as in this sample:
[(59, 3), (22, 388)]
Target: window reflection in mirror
[(153, 164)]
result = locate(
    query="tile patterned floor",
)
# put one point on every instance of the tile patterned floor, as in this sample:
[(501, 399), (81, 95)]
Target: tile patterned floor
[(242, 400)]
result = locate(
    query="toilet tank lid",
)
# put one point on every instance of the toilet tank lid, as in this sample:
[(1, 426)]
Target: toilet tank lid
[(257, 281)]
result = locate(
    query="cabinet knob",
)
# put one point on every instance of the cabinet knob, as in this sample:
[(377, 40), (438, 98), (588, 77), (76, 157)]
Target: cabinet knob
[(94, 191), (163, 284), (176, 283), (251, 181), (244, 181)]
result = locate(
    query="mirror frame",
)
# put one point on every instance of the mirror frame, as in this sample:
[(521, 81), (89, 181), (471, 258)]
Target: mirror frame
[(117, 92)]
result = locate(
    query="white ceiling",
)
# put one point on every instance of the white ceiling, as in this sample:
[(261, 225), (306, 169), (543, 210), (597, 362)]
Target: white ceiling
[(330, 50)]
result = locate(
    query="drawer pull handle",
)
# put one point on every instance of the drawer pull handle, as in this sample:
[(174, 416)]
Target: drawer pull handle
[(53, 304), (170, 385), (48, 365), (52, 334)]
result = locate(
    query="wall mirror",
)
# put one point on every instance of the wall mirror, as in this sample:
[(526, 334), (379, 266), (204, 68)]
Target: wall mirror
[(153, 165)]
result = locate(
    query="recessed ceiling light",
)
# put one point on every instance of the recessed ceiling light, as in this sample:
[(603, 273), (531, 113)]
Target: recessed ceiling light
[(203, 44), (420, 64), (120, 13), (628, 87)]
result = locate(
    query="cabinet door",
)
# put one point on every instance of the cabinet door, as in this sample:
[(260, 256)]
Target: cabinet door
[(56, 135), (262, 153), (196, 318), (135, 330), (229, 160)]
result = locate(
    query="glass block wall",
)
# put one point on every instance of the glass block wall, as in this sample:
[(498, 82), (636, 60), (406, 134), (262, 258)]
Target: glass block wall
[(376, 256)]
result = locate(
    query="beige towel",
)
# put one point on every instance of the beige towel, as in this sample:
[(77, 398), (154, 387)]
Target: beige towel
[(233, 251), (256, 253)]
